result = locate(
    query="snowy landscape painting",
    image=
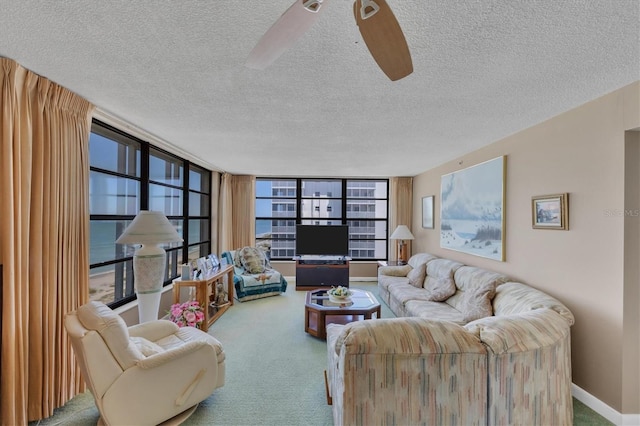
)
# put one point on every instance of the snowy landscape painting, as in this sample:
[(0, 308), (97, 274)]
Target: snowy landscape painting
[(472, 209)]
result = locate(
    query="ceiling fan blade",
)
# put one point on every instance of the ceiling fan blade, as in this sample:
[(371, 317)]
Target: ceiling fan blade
[(293, 23), (384, 38)]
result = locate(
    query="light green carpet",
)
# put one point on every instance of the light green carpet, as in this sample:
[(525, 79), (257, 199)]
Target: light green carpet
[(274, 371)]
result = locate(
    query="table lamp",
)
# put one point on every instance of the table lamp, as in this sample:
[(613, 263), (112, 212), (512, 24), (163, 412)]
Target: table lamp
[(149, 228), (401, 233)]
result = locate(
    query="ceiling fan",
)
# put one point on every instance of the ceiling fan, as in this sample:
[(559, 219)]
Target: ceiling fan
[(377, 24)]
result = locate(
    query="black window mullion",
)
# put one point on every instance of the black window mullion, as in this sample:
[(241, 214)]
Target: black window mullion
[(132, 161), (144, 176), (185, 211)]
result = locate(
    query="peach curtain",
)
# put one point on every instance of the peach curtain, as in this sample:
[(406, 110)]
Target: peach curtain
[(238, 212), (244, 210), (44, 239), (225, 213), (400, 209)]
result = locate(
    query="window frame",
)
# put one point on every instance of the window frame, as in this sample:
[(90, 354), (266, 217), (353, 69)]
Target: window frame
[(177, 253), (342, 219)]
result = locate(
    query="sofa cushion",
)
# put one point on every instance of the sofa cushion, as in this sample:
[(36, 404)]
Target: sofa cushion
[(253, 259), (433, 311), (416, 275), (386, 281), (439, 279), (476, 289), (477, 304), (404, 292), (420, 258), (471, 277)]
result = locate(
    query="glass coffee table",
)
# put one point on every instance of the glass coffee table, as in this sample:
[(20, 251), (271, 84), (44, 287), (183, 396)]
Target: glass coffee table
[(320, 310)]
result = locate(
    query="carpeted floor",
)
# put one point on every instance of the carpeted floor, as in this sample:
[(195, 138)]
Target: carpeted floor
[(274, 371)]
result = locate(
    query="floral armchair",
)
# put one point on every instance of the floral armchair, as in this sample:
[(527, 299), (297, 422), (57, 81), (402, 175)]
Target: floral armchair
[(254, 278)]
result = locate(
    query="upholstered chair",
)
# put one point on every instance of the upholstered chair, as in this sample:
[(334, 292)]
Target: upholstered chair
[(254, 277), (147, 373)]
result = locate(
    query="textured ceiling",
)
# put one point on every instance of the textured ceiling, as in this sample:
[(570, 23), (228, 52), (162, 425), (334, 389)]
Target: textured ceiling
[(482, 70)]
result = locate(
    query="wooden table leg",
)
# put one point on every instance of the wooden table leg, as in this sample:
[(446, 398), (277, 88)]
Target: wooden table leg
[(326, 388)]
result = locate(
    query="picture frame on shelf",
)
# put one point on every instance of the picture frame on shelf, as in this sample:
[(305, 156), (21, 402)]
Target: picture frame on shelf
[(427, 212), (203, 267), (214, 261), (550, 211)]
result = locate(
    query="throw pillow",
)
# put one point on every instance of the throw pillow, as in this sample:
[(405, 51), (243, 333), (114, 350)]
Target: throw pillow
[(439, 289), (266, 253), (417, 274), (477, 304), (252, 259), (147, 347)]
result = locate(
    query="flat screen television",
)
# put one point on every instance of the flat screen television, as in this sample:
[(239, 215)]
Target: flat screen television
[(322, 240)]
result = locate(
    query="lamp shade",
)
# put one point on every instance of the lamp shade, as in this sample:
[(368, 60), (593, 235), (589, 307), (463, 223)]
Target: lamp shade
[(149, 227), (401, 233)]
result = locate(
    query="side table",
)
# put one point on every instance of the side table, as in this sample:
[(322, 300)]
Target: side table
[(210, 293), (320, 310)]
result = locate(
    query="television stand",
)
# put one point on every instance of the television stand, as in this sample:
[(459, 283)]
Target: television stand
[(321, 271)]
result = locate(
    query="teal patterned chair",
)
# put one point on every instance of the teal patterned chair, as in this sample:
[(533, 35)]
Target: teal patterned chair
[(254, 278)]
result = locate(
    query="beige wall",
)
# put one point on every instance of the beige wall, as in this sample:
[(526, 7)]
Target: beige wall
[(581, 152)]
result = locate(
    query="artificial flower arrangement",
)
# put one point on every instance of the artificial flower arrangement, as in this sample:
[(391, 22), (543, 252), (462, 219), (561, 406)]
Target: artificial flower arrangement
[(340, 292), (187, 314)]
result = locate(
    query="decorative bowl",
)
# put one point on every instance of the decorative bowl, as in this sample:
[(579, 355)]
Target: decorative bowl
[(340, 293)]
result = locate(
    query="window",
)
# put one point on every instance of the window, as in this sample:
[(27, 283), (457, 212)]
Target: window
[(128, 175), (360, 203)]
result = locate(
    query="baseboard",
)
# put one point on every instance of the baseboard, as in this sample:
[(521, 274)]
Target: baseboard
[(603, 409)]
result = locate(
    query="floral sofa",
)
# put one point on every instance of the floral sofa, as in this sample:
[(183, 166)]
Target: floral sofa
[(253, 276), (469, 347)]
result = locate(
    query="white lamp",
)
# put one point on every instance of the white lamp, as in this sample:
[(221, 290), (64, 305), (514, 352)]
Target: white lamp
[(149, 228), (401, 233)]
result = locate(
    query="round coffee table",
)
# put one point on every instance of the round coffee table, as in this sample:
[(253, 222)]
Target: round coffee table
[(319, 310)]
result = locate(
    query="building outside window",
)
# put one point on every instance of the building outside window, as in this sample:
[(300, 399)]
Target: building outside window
[(128, 175), (360, 203)]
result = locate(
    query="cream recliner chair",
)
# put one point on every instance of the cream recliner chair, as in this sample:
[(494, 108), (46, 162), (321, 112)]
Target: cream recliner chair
[(147, 373)]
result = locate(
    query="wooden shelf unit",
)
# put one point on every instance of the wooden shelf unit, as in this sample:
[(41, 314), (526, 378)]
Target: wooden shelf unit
[(322, 271), (207, 293)]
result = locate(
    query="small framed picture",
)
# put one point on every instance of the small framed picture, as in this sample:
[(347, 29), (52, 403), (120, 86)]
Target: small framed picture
[(202, 265), (427, 212), (214, 260), (550, 211)]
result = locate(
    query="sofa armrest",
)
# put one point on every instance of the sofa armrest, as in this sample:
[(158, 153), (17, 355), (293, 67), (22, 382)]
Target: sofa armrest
[(520, 332), (406, 336), (153, 330), (395, 271), (514, 298)]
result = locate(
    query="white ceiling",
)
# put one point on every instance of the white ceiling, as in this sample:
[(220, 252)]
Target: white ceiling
[(482, 70)]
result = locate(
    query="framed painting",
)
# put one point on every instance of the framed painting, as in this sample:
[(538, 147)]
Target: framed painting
[(472, 209), (427, 212), (550, 211)]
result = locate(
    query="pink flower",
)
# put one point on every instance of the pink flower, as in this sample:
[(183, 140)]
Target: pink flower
[(190, 316), (188, 313)]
